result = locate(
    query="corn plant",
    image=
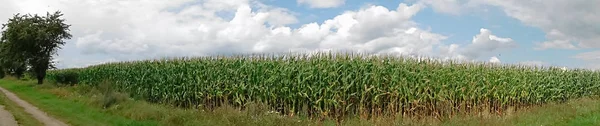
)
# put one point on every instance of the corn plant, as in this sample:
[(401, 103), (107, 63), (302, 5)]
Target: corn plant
[(341, 84)]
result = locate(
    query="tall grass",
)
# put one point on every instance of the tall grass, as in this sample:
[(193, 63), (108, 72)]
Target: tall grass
[(336, 85)]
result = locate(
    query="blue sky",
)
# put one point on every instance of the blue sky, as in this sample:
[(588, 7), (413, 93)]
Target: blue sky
[(460, 28), (552, 32)]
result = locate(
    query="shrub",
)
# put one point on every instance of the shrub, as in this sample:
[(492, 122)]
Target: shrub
[(67, 76)]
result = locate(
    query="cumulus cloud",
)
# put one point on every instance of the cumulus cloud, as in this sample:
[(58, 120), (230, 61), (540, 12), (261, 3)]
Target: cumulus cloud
[(167, 27), (555, 44), (557, 40), (321, 3), (375, 29), (593, 59), (591, 56), (494, 60), (127, 30), (483, 43), (566, 22), (150, 29), (452, 52)]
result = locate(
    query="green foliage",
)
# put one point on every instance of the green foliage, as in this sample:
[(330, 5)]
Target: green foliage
[(14, 68), (2, 72), (66, 76), (336, 85), (30, 41)]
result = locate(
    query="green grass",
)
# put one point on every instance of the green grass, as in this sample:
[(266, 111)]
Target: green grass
[(578, 112), (70, 111), (23, 118), (87, 109), (81, 105)]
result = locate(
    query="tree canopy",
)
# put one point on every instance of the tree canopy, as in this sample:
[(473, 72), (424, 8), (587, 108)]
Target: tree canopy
[(28, 42)]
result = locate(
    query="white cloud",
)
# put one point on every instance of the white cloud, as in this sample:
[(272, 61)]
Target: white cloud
[(117, 31), (150, 29), (590, 56), (564, 21), (555, 44), (557, 40), (165, 27), (494, 60), (375, 29), (452, 51), (568, 24), (322, 3), (483, 43)]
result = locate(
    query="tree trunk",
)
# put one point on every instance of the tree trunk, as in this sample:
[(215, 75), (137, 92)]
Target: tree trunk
[(40, 68), (40, 81), (19, 73), (40, 76)]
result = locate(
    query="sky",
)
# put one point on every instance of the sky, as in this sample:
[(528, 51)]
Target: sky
[(563, 33)]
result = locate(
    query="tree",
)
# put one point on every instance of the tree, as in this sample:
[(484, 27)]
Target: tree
[(11, 64), (29, 42)]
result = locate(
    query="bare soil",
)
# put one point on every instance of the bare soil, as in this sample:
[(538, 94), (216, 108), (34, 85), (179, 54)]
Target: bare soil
[(6, 119)]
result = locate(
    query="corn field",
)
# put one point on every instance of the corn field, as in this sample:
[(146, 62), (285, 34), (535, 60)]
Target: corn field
[(327, 85)]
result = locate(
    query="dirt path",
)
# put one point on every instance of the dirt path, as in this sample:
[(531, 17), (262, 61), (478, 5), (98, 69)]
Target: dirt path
[(34, 111), (6, 119)]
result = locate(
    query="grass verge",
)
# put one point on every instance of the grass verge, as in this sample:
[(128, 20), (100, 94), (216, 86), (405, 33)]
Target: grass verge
[(578, 112), (83, 105), (23, 118), (70, 111)]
